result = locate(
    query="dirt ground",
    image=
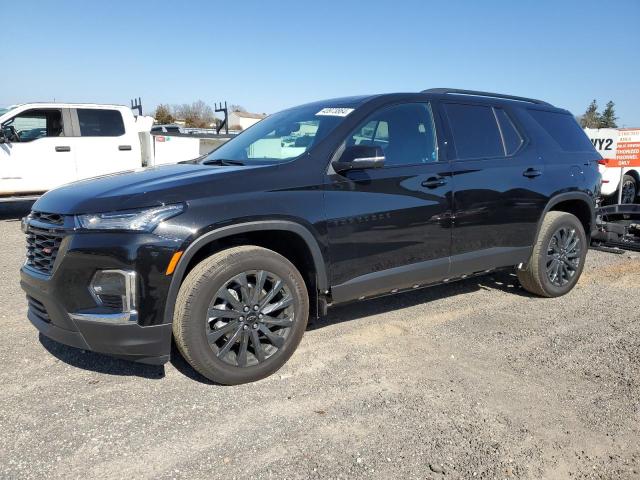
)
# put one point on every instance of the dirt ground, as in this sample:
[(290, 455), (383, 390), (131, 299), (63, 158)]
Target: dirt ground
[(470, 380)]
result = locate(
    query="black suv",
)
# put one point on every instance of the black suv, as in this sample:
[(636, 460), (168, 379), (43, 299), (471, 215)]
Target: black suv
[(320, 204)]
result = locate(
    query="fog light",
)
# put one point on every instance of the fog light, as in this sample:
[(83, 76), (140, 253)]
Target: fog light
[(115, 289)]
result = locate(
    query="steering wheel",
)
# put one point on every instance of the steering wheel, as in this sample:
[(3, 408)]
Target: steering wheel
[(13, 135)]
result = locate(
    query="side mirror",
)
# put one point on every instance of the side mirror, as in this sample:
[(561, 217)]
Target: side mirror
[(359, 157)]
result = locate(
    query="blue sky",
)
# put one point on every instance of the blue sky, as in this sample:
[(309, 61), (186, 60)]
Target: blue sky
[(270, 55)]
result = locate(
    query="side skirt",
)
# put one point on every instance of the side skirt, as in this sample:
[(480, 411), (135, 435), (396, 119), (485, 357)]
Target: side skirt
[(431, 272)]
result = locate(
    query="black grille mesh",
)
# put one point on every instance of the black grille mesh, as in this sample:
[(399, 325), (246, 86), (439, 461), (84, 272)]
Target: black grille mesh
[(42, 248), (51, 218)]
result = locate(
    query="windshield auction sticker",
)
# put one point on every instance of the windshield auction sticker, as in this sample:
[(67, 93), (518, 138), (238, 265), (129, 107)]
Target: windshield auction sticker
[(335, 111)]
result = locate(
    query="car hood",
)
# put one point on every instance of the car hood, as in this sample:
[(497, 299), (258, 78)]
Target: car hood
[(139, 188)]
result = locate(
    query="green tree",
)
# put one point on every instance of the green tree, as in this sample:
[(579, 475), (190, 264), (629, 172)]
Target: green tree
[(163, 114), (591, 118), (608, 117)]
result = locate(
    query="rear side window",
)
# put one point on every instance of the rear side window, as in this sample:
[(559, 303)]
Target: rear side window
[(100, 123), (510, 135), (564, 129), (475, 131)]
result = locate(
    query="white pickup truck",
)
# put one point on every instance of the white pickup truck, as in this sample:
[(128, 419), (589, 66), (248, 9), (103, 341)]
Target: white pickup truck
[(45, 145)]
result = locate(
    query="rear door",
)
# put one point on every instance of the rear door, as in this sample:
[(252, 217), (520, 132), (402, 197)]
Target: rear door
[(102, 143), (498, 186), (37, 155), (389, 227)]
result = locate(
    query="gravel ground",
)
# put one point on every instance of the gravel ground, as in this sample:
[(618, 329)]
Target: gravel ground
[(469, 380)]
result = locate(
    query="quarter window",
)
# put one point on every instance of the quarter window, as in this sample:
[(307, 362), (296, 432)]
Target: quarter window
[(564, 129), (100, 123), (405, 132)]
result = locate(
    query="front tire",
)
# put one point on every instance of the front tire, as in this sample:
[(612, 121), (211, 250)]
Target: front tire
[(558, 256), (240, 314)]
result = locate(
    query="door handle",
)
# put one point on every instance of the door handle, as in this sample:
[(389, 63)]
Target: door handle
[(63, 149), (433, 182), (124, 147), (531, 173)]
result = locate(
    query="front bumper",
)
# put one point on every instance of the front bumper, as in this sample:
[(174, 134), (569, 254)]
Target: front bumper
[(62, 308)]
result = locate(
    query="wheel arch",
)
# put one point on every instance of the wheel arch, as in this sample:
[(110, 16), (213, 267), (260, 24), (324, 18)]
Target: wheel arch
[(577, 203), (201, 245)]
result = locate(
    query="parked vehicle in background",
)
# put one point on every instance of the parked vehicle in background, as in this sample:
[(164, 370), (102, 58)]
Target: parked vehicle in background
[(166, 129), (45, 145), (620, 149), (321, 204)]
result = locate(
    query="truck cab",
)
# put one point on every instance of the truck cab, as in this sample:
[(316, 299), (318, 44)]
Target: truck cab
[(46, 145)]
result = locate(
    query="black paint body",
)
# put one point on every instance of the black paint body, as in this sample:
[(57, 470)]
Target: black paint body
[(368, 232)]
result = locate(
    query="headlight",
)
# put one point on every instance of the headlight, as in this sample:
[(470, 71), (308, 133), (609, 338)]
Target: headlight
[(142, 220)]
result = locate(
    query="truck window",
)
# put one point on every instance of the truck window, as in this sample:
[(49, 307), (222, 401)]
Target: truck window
[(564, 129), (33, 124), (100, 123), (475, 131)]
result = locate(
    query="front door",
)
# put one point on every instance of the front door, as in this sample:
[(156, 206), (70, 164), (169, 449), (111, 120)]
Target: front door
[(36, 155), (389, 227), (498, 196)]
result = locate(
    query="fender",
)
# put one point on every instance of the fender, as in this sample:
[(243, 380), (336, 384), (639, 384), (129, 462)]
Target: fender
[(202, 241), (563, 197)]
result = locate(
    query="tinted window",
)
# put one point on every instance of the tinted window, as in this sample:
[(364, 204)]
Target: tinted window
[(100, 123), (282, 136), (564, 129), (475, 131), (510, 135), (34, 124), (406, 133)]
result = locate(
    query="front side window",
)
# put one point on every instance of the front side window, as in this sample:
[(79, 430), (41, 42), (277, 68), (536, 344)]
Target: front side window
[(282, 136), (100, 123), (33, 124), (406, 133)]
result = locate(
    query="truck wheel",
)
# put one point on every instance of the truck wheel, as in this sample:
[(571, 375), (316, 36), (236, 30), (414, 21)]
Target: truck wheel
[(240, 314), (629, 189), (558, 256)]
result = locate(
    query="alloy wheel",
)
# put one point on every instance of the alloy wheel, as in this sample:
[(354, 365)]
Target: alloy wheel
[(249, 318), (563, 256)]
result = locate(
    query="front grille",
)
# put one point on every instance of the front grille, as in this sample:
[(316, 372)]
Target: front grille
[(38, 309), (51, 218), (42, 248)]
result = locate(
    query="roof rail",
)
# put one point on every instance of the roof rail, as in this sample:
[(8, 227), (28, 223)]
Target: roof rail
[(477, 93)]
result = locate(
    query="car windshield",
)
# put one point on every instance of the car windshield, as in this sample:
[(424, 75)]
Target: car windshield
[(281, 137)]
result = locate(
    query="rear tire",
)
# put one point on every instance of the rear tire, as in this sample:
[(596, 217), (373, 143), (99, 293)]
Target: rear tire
[(240, 314), (629, 189), (558, 256)]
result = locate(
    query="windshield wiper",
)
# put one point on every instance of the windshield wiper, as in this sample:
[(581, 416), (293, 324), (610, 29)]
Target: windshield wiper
[(221, 161)]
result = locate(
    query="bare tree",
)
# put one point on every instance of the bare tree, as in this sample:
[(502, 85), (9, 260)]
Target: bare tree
[(236, 108), (197, 114)]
